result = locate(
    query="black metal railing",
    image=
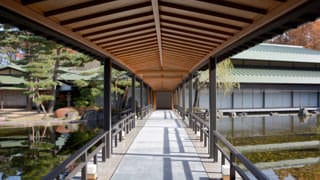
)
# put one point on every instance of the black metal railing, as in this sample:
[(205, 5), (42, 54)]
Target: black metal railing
[(146, 110), (200, 125), (78, 161)]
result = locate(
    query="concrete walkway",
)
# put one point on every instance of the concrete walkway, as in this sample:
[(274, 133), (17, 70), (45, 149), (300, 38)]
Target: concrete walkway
[(162, 150)]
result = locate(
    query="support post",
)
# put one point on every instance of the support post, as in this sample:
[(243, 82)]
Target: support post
[(141, 99), (264, 98), (213, 108), (190, 101), (183, 101), (133, 105), (318, 99), (147, 94), (107, 108)]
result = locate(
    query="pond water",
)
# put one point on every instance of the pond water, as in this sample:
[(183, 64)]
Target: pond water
[(30, 153), (278, 163)]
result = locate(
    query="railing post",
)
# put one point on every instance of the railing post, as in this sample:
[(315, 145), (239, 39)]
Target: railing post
[(84, 169), (232, 168), (107, 107), (190, 101), (213, 108)]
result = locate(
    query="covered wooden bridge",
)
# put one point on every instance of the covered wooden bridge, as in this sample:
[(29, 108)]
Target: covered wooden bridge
[(162, 43)]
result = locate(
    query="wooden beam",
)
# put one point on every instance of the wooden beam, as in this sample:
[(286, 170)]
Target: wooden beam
[(125, 49), (169, 46), (204, 21), (134, 33), (29, 2), (154, 48), (207, 12), (75, 7), (135, 50), (161, 71), (112, 23), (132, 43), (156, 16), (127, 40), (182, 51), (187, 47), (138, 56), (195, 29), (104, 13), (202, 39), (186, 43), (168, 52), (106, 33), (234, 5)]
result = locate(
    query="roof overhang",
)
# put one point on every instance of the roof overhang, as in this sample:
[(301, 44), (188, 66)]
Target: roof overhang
[(161, 41)]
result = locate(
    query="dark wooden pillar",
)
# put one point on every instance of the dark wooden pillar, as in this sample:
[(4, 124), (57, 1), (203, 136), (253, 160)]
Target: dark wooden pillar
[(190, 100), (183, 100), (141, 98), (213, 108), (133, 91), (107, 108)]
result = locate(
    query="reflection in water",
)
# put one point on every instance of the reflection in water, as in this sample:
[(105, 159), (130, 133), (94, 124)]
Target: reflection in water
[(32, 152), (277, 129), (267, 126)]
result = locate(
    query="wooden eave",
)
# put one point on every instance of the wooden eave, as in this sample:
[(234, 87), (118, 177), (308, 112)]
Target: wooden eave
[(162, 41)]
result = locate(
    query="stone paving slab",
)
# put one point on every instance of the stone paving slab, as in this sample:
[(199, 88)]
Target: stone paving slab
[(162, 150)]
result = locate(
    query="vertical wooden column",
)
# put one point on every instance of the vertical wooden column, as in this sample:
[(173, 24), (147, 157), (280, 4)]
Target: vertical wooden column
[(190, 100), (213, 108), (147, 94), (141, 99), (106, 153), (133, 91), (183, 100)]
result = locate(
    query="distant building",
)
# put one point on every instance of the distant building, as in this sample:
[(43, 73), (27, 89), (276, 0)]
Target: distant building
[(273, 76)]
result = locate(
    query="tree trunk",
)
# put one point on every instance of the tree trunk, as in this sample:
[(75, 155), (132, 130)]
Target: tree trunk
[(196, 93), (54, 79)]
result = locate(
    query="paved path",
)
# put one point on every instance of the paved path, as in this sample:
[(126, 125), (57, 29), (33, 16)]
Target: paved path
[(162, 150)]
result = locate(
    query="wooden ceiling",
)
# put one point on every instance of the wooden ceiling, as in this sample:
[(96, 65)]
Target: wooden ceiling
[(159, 40)]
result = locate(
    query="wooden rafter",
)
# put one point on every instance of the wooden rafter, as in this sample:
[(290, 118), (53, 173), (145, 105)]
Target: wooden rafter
[(107, 44), (156, 16), (104, 13)]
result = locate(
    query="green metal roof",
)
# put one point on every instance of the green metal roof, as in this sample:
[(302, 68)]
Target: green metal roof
[(11, 80), (276, 76), (277, 52), (12, 66)]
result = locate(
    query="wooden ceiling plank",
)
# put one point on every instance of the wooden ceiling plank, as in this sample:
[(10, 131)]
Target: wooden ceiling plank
[(204, 21), (214, 29), (237, 6), (169, 46), (207, 12), (105, 13), (118, 29), (139, 58), (182, 39), (195, 34), (132, 43), (202, 39), (29, 2), (155, 9), (179, 51), (135, 50), (125, 36), (186, 43), (75, 7), (152, 48), (111, 23), (195, 29), (128, 40), (180, 54), (186, 46), (179, 58), (133, 47), (161, 71)]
